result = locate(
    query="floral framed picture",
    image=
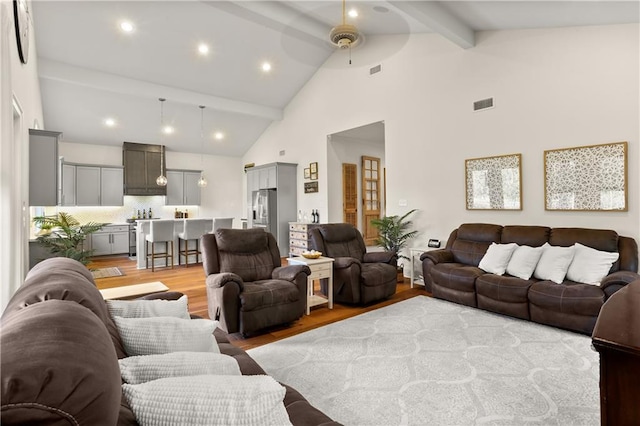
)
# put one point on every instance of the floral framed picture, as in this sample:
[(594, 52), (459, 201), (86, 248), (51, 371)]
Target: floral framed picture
[(586, 178), (494, 183), (307, 173)]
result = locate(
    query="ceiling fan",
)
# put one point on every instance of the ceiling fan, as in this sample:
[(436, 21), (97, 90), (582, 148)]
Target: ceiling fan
[(344, 35)]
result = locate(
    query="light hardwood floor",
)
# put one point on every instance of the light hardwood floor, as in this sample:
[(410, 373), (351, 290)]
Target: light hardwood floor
[(191, 281)]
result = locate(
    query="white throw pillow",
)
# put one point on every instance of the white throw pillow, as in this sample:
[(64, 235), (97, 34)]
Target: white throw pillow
[(160, 335), (589, 265), (145, 368), (208, 400), (554, 263), (496, 259), (523, 261), (149, 308)]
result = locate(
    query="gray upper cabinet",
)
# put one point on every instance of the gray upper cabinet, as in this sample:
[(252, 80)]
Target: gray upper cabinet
[(68, 197), (142, 164), (43, 167), (182, 188), (88, 185), (111, 186)]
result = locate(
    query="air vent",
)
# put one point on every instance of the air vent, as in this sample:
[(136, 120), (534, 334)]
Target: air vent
[(375, 69), (483, 104)]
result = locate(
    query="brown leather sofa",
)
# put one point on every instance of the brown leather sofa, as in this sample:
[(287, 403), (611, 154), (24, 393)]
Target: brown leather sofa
[(453, 274), (59, 353), (358, 277), (247, 288)]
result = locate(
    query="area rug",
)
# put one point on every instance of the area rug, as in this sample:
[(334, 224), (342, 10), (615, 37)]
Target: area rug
[(425, 361), (107, 272)]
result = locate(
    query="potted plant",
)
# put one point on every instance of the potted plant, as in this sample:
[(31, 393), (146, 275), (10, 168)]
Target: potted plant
[(66, 236), (394, 233)]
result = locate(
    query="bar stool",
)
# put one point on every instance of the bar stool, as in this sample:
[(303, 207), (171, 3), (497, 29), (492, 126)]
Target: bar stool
[(160, 231), (222, 223), (193, 229)]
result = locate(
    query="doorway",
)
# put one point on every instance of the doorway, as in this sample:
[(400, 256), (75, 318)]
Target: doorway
[(348, 148)]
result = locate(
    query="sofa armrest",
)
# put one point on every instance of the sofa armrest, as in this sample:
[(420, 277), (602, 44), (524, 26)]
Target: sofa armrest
[(166, 295), (289, 273), (381, 257), (614, 282), (346, 262), (220, 280), (438, 256)]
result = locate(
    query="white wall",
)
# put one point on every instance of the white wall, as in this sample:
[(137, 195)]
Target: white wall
[(553, 88), (20, 108), (222, 197)]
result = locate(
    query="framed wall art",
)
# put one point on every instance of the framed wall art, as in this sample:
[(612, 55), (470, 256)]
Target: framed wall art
[(310, 187), (313, 168), (587, 178), (307, 173), (494, 183)]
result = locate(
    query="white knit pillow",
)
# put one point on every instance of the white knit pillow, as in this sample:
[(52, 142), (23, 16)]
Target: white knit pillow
[(589, 265), (144, 368), (554, 263), (208, 400), (149, 308), (160, 335), (496, 259), (523, 261)]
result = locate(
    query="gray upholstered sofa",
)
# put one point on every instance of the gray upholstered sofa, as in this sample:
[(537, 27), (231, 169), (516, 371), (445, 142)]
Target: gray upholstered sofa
[(453, 274), (60, 350)]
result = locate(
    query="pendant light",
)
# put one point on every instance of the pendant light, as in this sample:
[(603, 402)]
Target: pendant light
[(162, 179), (202, 182)]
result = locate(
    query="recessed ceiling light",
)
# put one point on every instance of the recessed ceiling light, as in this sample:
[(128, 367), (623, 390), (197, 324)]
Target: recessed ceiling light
[(218, 135), (353, 13), (109, 122), (168, 130), (203, 49), (126, 26), (266, 66)]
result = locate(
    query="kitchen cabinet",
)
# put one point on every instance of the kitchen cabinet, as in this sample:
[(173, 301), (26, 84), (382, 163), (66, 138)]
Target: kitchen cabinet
[(282, 178), (142, 165), (182, 188), (88, 185), (112, 239), (43, 167)]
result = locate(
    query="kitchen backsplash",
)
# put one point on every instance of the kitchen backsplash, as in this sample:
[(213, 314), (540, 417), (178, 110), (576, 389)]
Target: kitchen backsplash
[(118, 214)]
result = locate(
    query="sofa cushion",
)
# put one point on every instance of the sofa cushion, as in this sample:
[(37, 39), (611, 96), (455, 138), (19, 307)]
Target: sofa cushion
[(524, 261), (144, 368), (570, 297), (533, 236), (503, 288), (159, 335), (589, 265), (208, 400), (456, 276), (473, 240), (554, 263), (497, 257), (376, 274), (266, 293)]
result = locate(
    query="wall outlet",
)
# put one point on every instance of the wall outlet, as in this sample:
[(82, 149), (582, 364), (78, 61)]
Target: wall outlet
[(402, 203)]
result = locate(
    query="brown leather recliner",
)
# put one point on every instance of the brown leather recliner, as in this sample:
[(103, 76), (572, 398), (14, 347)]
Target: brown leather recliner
[(247, 288), (358, 276)]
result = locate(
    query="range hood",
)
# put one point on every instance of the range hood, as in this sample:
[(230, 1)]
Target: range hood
[(143, 163)]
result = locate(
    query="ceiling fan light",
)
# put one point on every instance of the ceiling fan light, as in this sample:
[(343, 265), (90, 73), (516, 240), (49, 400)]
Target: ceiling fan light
[(344, 36)]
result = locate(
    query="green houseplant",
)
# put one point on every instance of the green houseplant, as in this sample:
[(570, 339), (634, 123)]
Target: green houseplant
[(66, 236), (394, 232)]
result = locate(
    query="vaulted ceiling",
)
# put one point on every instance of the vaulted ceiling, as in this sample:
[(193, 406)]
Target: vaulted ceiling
[(91, 70)]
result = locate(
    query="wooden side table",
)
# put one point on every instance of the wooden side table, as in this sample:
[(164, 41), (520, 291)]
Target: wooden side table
[(134, 290), (415, 253), (321, 267)]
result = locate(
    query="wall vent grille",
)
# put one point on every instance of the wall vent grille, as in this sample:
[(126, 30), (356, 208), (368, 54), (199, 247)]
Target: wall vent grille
[(483, 104), (375, 70)]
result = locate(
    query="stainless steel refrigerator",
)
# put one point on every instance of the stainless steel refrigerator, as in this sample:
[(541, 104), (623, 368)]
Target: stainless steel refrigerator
[(264, 210)]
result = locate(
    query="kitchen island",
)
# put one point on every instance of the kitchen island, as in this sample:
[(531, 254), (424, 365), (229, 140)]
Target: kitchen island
[(143, 228)]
